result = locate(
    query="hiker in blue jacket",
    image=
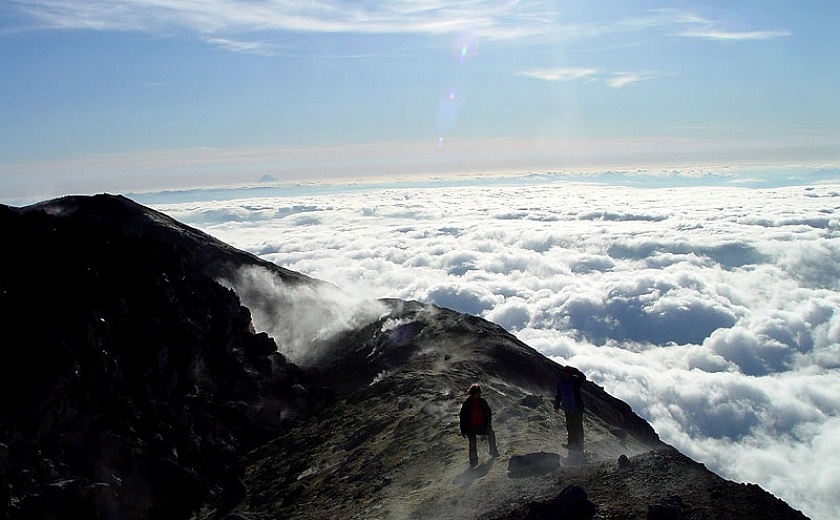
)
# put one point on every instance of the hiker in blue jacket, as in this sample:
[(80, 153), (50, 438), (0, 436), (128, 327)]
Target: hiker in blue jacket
[(476, 418), (568, 397)]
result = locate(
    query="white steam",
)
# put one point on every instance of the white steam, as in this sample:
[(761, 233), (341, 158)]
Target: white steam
[(300, 317)]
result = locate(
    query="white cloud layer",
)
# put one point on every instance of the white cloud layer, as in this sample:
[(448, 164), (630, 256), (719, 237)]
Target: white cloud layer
[(714, 312)]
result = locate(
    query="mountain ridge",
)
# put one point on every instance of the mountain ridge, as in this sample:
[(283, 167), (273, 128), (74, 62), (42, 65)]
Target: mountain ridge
[(158, 376)]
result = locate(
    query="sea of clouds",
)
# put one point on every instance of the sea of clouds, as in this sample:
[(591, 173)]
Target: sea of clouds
[(713, 311)]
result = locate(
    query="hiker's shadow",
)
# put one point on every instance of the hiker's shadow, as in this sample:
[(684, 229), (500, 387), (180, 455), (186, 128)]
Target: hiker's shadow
[(471, 475), (533, 464)]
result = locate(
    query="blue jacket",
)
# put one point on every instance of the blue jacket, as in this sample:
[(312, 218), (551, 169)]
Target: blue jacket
[(568, 392)]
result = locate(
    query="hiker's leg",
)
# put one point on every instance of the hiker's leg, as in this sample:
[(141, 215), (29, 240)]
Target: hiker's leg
[(571, 432), (574, 425), (491, 439), (473, 449)]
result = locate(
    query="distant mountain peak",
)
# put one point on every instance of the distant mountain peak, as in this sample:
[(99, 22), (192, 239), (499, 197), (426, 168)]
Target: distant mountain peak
[(267, 179)]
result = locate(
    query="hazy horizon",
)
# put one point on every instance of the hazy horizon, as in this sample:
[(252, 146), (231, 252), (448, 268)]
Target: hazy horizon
[(177, 95)]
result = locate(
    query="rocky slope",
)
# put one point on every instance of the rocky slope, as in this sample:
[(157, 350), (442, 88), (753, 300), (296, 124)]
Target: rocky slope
[(134, 386)]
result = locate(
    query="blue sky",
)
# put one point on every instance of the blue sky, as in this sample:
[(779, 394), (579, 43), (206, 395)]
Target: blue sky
[(106, 96)]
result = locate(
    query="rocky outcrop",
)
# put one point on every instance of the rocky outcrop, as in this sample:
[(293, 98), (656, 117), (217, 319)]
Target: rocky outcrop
[(132, 380), (134, 386)]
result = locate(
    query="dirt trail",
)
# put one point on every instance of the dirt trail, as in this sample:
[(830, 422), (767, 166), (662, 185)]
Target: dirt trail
[(527, 429), (396, 452)]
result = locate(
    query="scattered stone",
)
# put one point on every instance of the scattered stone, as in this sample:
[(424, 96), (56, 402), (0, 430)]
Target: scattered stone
[(571, 504), (532, 401), (623, 462), (670, 509), (533, 464)]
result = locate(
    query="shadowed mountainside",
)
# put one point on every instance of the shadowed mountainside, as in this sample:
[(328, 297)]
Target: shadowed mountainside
[(134, 386)]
